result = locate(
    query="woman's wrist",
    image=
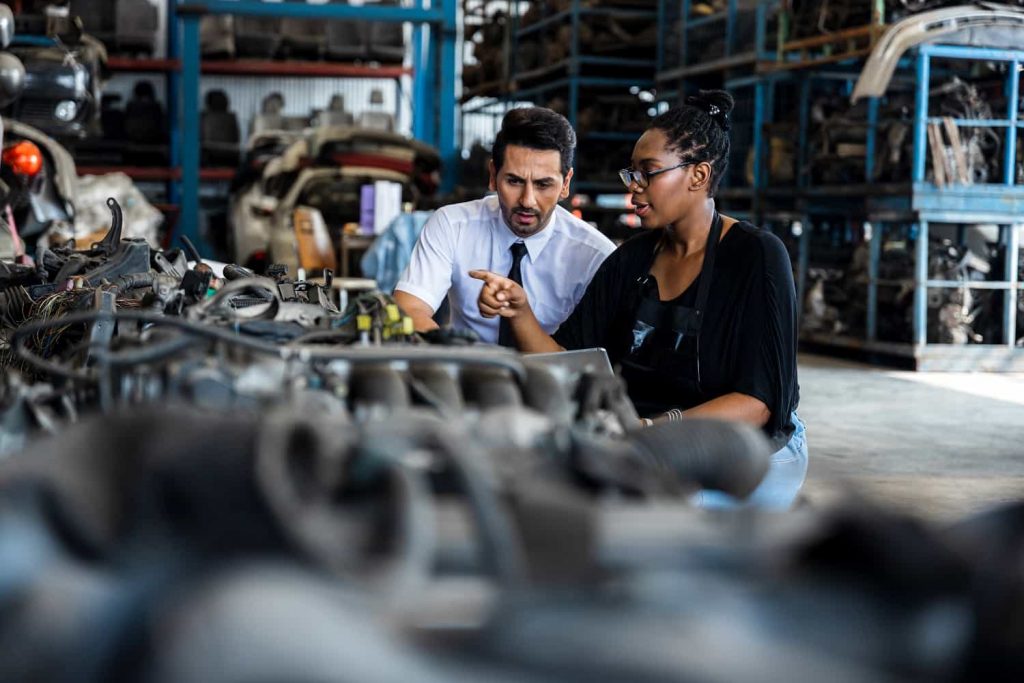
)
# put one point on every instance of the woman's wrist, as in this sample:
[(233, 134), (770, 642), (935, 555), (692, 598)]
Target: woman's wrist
[(524, 316)]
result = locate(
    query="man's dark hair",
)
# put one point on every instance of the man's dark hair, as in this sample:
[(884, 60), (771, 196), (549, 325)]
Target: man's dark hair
[(699, 131), (535, 128)]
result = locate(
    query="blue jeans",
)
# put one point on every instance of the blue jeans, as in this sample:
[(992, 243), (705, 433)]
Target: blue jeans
[(780, 485)]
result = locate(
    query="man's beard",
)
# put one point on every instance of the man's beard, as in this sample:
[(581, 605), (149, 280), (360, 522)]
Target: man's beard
[(540, 221)]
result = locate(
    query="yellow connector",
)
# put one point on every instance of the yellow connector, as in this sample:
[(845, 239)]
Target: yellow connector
[(393, 314), (407, 326), (364, 323)]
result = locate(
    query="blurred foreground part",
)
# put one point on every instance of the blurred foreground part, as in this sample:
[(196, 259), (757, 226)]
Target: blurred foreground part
[(172, 544)]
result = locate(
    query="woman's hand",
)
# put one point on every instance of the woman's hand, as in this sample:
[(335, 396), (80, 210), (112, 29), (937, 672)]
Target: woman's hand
[(500, 296)]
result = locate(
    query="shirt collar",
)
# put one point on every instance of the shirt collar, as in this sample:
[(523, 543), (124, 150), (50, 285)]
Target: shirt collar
[(534, 244)]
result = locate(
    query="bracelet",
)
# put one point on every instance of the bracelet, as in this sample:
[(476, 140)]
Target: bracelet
[(646, 422), (674, 415)]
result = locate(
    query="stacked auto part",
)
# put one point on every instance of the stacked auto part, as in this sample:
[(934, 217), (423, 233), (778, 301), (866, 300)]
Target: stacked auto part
[(323, 168), (873, 137)]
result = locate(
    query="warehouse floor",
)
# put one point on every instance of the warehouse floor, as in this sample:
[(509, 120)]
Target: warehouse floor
[(939, 444)]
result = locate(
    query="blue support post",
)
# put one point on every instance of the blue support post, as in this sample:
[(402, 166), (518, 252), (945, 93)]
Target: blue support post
[(513, 50), (730, 28), (659, 58), (759, 102), (759, 35), (448, 102), (574, 67), (173, 101), (1013, 103), (803, 175), (189, 218), (1012, 266), (803, 263), (921, 285), (763, 89), (418, 89), (874, 257), (424, 76), (921, 115), (872, 141), (684, 41)]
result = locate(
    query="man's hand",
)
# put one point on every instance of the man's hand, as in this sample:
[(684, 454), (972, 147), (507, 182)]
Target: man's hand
[(500, 296)]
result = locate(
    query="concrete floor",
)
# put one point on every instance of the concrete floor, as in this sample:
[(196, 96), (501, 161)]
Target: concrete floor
[(940, 445)]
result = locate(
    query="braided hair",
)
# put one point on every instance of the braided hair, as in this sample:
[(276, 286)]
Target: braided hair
[(699, 131)]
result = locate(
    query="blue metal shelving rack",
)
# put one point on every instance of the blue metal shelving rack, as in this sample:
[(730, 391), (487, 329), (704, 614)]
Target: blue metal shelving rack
[(871, 209), (673, 68), (570, 75), (911, 208), (435, 107), (1000, 203)]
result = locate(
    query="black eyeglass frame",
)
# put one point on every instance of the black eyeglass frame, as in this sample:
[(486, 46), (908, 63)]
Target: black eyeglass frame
[(628, 176)]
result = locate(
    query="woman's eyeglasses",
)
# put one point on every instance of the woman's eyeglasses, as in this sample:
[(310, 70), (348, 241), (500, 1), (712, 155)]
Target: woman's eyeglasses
[(628, 176)]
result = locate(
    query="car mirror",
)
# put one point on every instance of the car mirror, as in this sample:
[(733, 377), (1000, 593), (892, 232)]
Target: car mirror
[(12, 77)]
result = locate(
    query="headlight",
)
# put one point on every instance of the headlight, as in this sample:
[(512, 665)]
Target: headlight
[(65, 110)]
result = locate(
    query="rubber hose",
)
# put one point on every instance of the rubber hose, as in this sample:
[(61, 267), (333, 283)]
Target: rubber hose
[(714, 454), (488, 387)]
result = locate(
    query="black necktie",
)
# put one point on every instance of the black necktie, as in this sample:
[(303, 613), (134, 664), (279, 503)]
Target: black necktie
[(515, 273)]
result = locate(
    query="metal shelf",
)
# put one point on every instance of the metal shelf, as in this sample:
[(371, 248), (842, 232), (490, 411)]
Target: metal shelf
[(261, 67), (700, 68), (612, 136), (697, 22), (434, 51), (124, 64), (572, 66), (610, 12), (982, 284), (975, 123), (158, 173), (930, 357), (593, 82)]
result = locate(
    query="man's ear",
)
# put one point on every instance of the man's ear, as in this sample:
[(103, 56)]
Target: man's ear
[(700, 177), (565, 185), (492, 182)]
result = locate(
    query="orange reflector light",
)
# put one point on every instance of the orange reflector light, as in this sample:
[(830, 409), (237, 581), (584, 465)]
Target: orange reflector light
[(24, 158)]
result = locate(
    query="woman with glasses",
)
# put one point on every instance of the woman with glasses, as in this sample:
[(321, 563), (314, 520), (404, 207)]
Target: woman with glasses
[(699, 310)]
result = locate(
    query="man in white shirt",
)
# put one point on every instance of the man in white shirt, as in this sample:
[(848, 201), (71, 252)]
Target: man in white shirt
[(521, 231)]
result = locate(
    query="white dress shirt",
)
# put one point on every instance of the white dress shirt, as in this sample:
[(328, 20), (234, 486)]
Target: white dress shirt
[(560, 262)]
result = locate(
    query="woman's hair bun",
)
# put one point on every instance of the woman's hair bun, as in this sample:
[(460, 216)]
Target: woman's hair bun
[(715, 103)]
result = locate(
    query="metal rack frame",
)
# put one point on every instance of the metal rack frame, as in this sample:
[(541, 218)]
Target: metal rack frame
[(435, 103), (732, 59), (570, 77), (878, 208)]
